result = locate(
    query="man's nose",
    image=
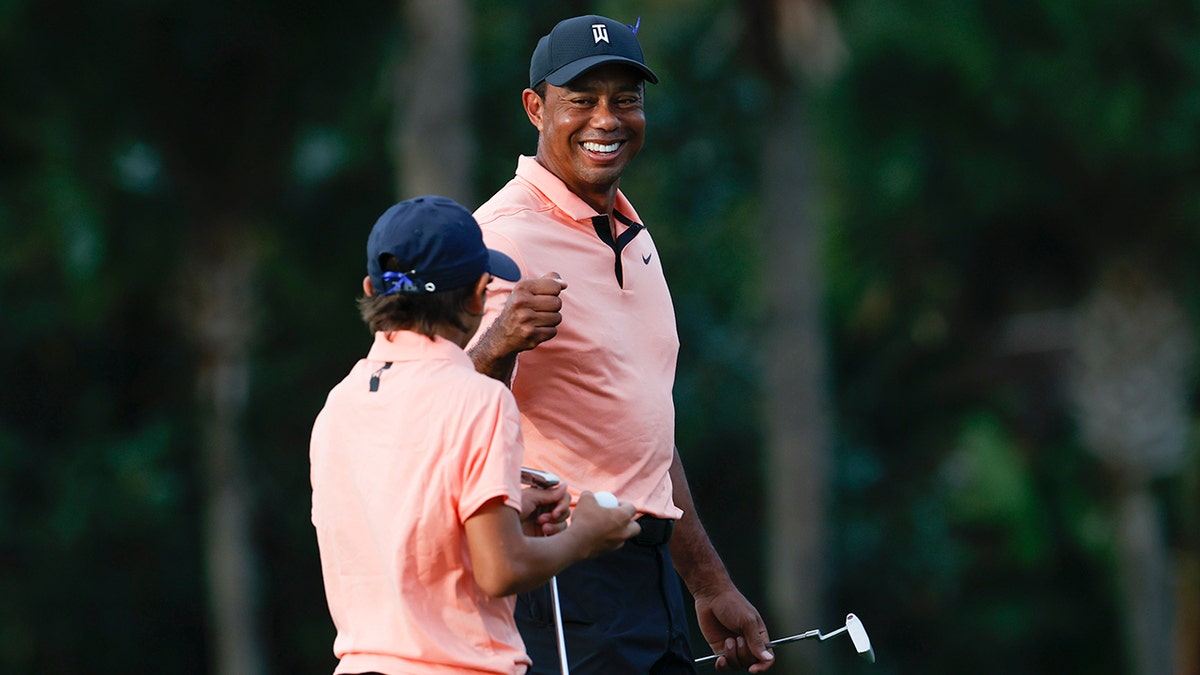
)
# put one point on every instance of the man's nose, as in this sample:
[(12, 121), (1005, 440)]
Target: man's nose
[(604, 117)]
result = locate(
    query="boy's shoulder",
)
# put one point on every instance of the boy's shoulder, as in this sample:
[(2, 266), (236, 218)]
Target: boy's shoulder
[(444, 389)]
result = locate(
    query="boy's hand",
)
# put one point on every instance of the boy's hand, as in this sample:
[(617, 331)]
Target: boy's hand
[(601, 529), (544, 511)]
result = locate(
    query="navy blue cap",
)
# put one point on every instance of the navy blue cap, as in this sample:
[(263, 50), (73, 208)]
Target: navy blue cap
[(577, 45), (439, 246)]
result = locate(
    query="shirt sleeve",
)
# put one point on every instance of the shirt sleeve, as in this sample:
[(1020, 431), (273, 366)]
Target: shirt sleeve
[(492, 466)]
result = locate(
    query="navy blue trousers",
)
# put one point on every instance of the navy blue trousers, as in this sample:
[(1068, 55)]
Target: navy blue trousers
[(622, 613)]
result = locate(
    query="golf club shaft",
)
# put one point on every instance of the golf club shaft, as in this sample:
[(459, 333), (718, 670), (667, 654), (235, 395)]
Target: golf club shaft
[(558, 626), (791, 638), (542, 479)]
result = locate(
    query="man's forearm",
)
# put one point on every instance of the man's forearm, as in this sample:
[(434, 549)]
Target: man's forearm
[(491, 361), (695, 559)]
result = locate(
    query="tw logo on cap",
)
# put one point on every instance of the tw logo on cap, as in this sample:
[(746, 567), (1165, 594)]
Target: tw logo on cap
[(565, 53)]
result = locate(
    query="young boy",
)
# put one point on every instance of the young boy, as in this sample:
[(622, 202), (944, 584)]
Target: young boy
[(416, 461)]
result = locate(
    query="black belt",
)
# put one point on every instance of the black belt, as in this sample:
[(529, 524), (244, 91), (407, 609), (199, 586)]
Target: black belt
[(655, 531)]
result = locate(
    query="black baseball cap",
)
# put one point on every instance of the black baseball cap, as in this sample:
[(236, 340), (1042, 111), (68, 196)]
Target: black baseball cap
[(577, 45), (439, 246)]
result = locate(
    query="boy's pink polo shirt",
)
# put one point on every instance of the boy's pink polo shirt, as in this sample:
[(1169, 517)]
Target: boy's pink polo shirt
[(595, 400), (395, 474)]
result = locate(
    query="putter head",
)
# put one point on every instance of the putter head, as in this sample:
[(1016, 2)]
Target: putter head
[(858, 634)]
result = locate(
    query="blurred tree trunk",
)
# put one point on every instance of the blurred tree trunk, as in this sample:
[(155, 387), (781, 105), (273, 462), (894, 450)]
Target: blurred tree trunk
[(1187, 602), (434, 149), (802, 47), (1134, 358), (797, 408), (218, 315)]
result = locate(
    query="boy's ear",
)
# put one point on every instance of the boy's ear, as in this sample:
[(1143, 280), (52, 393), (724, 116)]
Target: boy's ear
[(478, 299), (368, 289)]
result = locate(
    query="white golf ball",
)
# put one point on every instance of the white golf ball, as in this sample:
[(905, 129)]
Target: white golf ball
[(606, 499)]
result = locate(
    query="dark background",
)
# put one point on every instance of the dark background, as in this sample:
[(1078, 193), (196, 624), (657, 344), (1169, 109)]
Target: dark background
[(996, 188)]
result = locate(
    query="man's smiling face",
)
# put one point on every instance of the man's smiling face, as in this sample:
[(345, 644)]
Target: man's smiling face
[(591, 128)]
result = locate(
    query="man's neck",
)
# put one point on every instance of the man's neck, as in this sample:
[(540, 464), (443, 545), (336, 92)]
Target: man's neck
[(601, 198), (603, 202)]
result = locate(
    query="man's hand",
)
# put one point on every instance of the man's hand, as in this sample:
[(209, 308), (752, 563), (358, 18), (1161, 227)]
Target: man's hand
[(531, 315), (544, 511), (732, 625), (529, 318)]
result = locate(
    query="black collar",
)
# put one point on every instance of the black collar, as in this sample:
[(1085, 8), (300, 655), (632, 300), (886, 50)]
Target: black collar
[(604, 231)]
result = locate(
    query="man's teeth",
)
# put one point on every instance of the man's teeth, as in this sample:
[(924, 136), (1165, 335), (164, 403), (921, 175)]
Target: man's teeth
[(600, 147)]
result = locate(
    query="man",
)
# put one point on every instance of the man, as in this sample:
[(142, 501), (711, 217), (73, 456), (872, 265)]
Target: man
[(595, 329), (416, 462)]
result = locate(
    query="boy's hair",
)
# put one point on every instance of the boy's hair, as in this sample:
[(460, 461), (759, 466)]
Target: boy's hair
[(421, 313)]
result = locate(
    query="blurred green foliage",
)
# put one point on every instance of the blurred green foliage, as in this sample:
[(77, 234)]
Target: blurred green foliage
[(979, 159)]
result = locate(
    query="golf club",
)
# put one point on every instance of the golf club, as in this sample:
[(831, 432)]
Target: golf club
[(858, 635), (558, 627), (536, 478), (608, 501), (544, 480)]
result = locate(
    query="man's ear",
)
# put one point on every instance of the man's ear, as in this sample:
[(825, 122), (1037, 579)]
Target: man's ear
[(368, 289), (534, 106), (478, 299)]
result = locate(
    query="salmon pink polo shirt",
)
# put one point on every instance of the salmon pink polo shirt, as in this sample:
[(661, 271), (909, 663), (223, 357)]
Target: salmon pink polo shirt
[(595, 401), (408, 446)]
